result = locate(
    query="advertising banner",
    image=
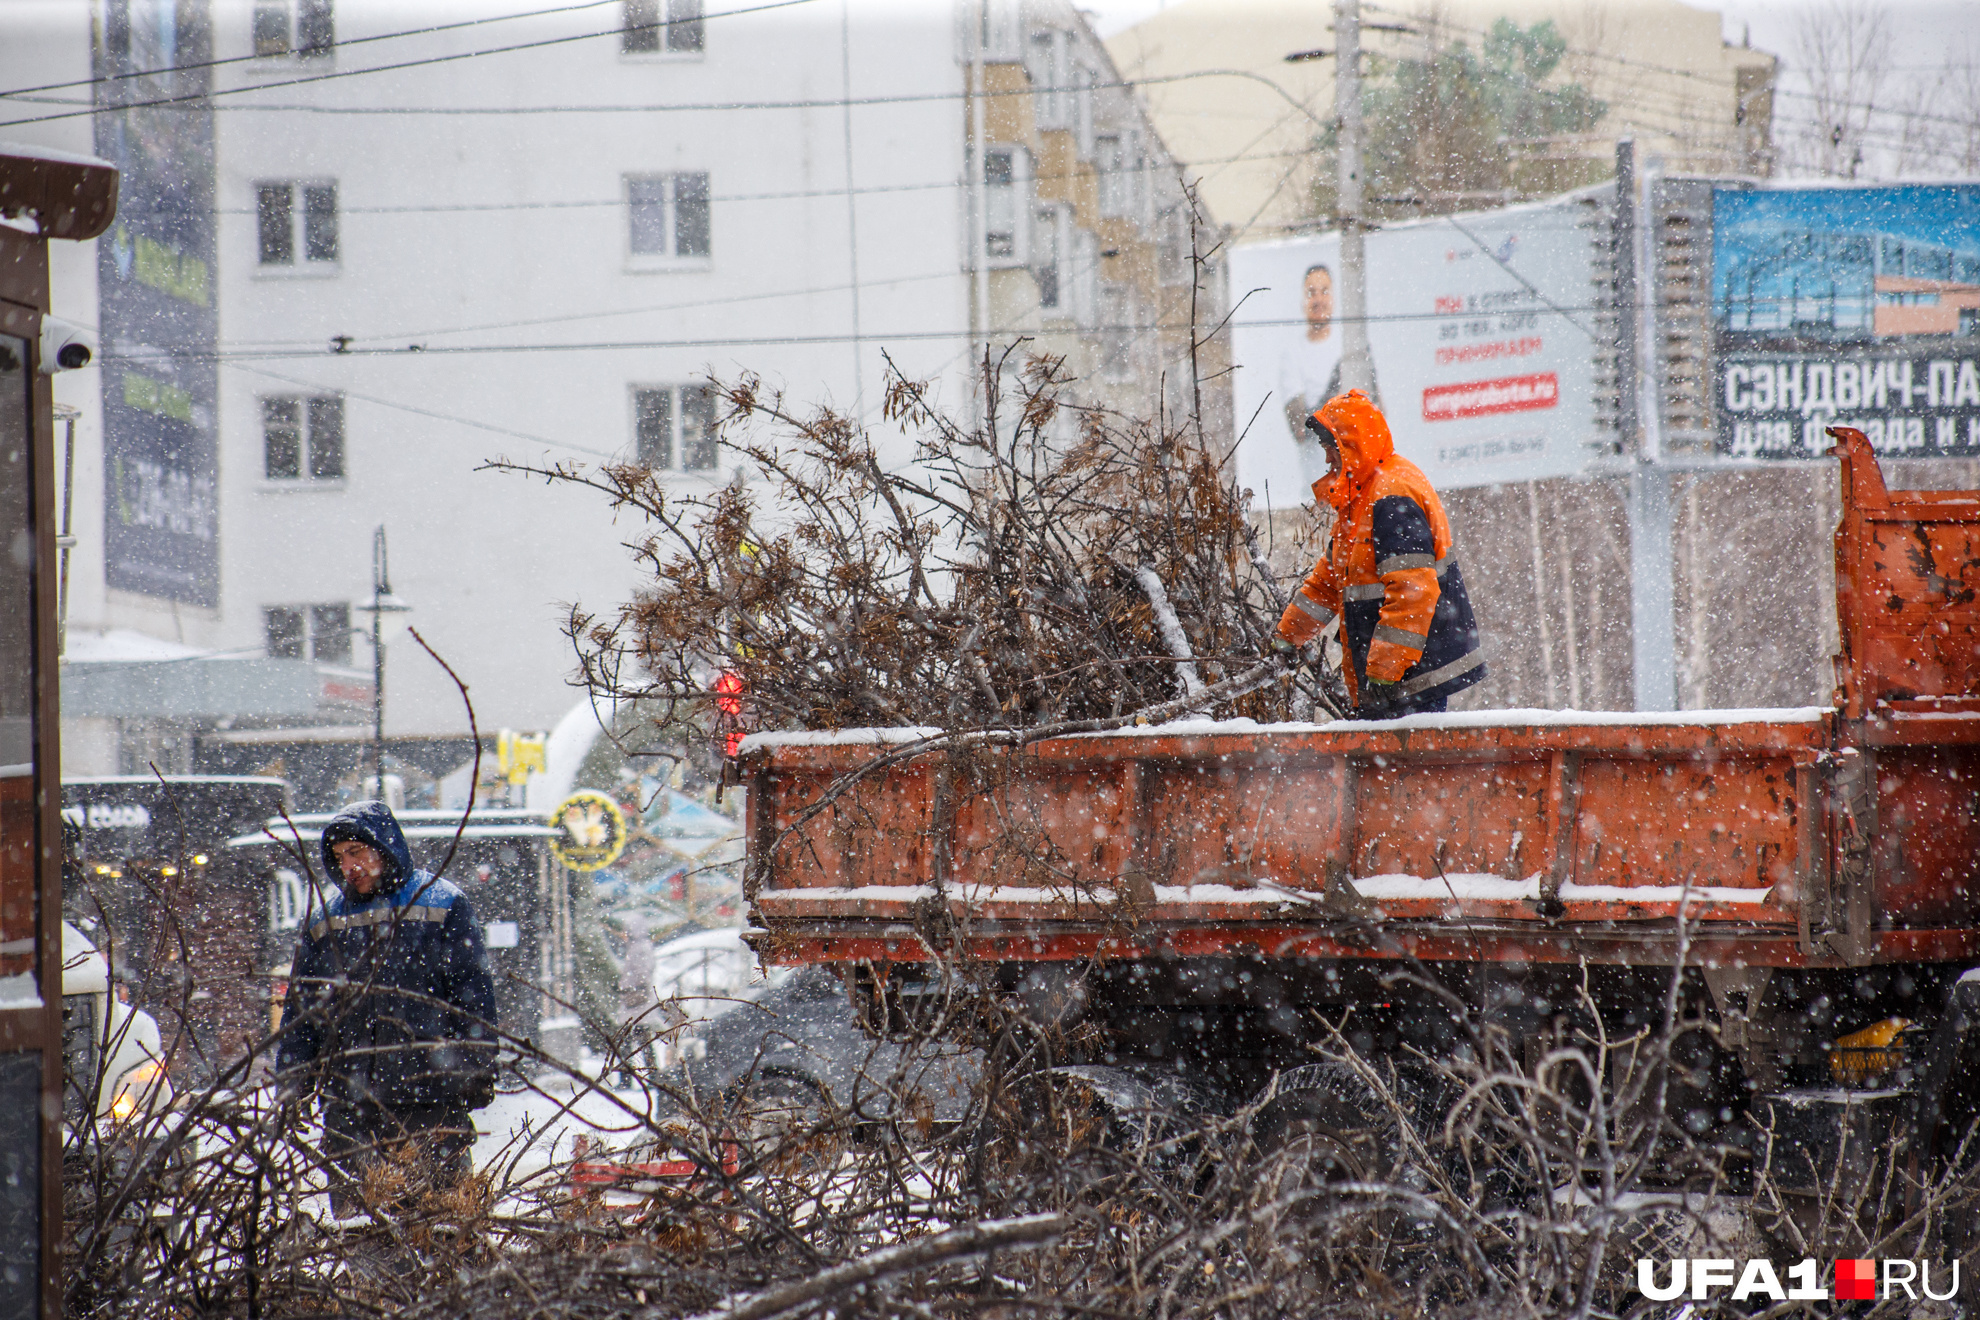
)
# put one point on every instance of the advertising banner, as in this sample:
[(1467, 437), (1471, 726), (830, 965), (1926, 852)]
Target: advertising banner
[(1852, 306), (157, 320), (1481, 332)]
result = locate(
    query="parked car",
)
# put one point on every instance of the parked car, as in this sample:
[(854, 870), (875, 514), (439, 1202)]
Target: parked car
[(113, 1059), (795, 1043), (709, 972)]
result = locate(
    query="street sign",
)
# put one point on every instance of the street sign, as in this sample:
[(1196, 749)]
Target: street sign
[(591, 831)]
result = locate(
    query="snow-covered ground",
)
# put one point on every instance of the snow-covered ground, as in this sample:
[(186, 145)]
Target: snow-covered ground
[(525, 1132)]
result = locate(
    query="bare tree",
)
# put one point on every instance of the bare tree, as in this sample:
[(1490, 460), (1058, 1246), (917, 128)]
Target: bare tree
[(1843, 48)]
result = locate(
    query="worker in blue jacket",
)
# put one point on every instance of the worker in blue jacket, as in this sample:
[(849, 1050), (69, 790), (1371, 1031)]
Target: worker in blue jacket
[(390, 1015)]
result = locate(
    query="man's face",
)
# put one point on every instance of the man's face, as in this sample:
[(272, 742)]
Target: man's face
[(1328, 446), (1319, 302), (362, 867)]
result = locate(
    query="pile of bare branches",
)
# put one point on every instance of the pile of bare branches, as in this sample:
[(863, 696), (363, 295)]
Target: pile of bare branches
[(1043, 566), (991, 1180)]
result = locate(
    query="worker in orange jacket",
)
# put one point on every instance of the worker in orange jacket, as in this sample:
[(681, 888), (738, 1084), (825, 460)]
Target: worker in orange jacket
[(1408, 638)]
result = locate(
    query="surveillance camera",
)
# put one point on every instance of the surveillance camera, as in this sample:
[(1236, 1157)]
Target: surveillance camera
[(65, 345)]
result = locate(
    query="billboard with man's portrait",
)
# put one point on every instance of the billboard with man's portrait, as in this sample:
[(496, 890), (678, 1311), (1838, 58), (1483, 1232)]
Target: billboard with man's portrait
[(1850, 306), (1481, 332)]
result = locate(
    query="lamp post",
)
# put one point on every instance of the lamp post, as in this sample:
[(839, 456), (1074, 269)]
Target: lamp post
[(1357, 372), (381, 604)]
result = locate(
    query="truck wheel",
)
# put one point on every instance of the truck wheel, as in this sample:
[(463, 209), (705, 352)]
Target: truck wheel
[(1329, 1126), (1074, 1135), (1335, 1190), (786, 1123)]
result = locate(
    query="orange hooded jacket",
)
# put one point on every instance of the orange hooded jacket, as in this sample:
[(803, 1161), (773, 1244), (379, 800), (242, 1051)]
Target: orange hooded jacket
[(1389, 571)]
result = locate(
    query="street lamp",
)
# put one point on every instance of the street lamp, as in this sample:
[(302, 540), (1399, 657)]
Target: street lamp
[(382, 605)]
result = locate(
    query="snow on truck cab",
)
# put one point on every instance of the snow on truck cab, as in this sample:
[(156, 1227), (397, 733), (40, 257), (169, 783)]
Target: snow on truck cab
[(1211, 900), (112, 1056)]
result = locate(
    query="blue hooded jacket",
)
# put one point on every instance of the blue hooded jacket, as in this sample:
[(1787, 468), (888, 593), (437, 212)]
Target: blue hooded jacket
[(390, 1000)]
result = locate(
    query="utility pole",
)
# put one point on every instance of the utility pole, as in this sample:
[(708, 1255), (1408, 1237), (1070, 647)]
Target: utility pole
[(382, 603), (1653, 632), (1357, 370), (979, 237)]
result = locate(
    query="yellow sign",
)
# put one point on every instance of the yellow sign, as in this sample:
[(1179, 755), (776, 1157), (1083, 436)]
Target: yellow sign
[(591, 831), (519, 755)]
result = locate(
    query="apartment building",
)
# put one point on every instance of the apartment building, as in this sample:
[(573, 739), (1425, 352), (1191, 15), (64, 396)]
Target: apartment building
[(369, 247)]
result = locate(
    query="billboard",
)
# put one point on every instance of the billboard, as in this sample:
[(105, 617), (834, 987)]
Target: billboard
[(158, 323), (1480, 329), (1852, 306)]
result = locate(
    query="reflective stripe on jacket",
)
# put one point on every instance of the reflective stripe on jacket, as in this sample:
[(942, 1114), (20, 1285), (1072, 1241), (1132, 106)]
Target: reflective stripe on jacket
[(1390, 571), (390, 999)]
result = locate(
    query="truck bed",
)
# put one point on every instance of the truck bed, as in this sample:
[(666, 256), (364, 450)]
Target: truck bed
[(1547, 835), (1811, 837)]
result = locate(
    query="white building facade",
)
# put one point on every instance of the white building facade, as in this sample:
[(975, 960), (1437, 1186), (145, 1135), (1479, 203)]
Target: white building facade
[(535, 238)]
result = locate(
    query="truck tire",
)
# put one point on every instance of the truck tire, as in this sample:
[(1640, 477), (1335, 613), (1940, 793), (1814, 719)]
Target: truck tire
[(1077, 1134), (1333, 1124), (786, 1123), (1336, 1194)]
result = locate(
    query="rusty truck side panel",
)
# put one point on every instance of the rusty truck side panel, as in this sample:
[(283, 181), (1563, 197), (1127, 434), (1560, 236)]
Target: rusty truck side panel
[(1815, 837)]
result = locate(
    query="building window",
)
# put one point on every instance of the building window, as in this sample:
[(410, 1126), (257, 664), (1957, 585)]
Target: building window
[(1116, 337), (286, 633), (667, 217), (1135, 164), (1109, 162), (996, 27), (1050, 68), (1000, 230), (308, 632), (303, 28), (330, 633), (1051, 246), (643, 30), (1172, 247), (286, 229), (302, 438), (1085, 278), (674, 428), (1083, 80), (1006, 205)]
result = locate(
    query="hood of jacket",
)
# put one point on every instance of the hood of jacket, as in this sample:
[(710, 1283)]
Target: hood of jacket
[(373, 823), (1363, 435)]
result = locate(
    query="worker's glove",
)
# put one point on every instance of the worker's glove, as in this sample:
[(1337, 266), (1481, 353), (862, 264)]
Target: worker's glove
[(478, 1092), (293, 1093), (1285, 650), (1380, 700)]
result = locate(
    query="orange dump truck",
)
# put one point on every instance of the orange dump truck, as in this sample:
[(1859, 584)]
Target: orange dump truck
[(1206, 893)]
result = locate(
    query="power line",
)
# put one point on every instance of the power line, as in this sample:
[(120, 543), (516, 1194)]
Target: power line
[(381, 68), (1693, 74), (313, 51), (636, 311), (655, 107), (788, 195), (418, 411), (762, 341)]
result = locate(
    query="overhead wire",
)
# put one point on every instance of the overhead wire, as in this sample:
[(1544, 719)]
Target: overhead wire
[(354, 353), (801, 194), (312, 53), (1694, 74), (695, 304), (336, 74), (430, 413)]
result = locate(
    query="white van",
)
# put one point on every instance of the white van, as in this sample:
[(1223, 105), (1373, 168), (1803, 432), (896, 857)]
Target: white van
[(107, 1045)]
